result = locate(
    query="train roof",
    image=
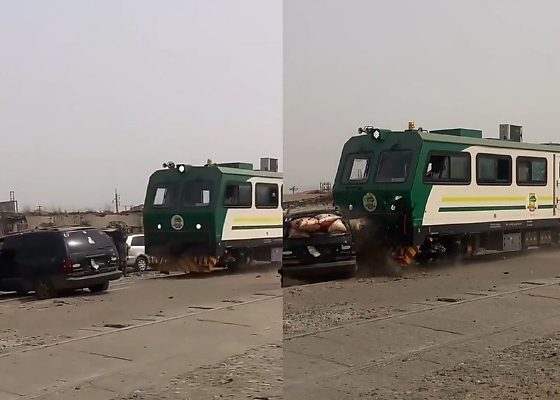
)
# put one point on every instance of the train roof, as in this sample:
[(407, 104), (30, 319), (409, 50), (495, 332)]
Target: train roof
[(459, 136), (486, 142), (248, 172), (228, 169)]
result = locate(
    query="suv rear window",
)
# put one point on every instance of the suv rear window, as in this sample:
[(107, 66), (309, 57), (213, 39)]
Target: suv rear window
[(137, 241), (87, 240)]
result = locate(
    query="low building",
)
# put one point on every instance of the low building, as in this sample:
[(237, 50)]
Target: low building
[(313, 197), (131, 220)]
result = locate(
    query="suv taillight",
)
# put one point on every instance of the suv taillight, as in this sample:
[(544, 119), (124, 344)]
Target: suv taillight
[(67, 265)]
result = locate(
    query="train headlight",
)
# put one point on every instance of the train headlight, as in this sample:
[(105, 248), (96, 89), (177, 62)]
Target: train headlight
[(181, 168), (375, 133), (159, 226), (198, 226)]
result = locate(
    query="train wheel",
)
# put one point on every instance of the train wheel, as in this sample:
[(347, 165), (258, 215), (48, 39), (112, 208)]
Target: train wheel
[(240, 260)]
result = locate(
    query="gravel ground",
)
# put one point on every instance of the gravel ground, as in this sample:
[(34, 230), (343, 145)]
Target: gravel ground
[(530, 370), (10, 340), (318, 317), (256, 374), (302, 316), (526, 370)]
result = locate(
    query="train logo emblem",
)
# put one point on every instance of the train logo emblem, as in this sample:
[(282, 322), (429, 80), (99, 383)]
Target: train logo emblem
[(370, 202), (177, 222), (532, 202)]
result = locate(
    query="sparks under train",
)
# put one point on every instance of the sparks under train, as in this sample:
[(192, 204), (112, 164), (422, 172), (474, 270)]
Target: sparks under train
[(448, 192)]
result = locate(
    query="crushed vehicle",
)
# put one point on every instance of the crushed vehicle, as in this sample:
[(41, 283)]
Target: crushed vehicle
[(317, 243)]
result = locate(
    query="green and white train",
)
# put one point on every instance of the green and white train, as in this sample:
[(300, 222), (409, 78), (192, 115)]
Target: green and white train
[(197, 218), (425, 194)]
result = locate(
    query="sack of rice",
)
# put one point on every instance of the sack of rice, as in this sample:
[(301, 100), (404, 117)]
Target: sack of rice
[(294, 224), (309, 225), (296, 234), (337, 227), (326, 220)]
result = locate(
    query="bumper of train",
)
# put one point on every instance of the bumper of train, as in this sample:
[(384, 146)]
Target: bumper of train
[(382, 230), (169, 244)]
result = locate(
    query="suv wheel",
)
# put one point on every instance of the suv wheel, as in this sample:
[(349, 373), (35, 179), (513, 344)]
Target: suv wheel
[(99, 288), (44, 289), (141, 264)]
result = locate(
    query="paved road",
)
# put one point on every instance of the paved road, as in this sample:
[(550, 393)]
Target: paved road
[(142, 337), (394, 339)]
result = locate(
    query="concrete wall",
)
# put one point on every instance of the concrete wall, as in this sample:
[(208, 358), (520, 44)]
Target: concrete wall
[(132, 220)]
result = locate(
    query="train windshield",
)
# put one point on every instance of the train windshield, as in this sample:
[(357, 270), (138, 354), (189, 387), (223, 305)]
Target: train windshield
[(163, 195), (357, 168), (198, 193), (394, 166)]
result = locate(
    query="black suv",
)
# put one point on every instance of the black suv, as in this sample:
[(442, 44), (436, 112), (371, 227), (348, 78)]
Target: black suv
[(317, 256), (48, 261)]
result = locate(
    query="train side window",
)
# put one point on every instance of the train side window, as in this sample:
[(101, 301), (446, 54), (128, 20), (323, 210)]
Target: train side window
[(357, 168), (531, 171), (493, 169), (448, 168), (266, 195), (239, 195)]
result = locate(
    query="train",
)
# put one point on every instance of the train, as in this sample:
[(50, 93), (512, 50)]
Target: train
[(422, 195), (213, 216)]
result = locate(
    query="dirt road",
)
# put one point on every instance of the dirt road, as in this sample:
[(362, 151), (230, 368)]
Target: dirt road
[(150, 337), (483, 330)]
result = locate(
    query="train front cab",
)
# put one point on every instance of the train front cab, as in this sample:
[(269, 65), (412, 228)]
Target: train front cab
[(181, 212), (373, 187)]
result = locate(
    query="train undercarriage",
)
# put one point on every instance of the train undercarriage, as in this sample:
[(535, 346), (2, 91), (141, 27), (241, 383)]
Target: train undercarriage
[(380, 251), (202, 262)]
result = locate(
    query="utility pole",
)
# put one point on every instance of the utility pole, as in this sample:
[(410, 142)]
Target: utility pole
[(117, 201), (294, 189)]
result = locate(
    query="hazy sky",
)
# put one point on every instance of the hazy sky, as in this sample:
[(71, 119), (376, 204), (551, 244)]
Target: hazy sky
[(442, 64), (96, 95)]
